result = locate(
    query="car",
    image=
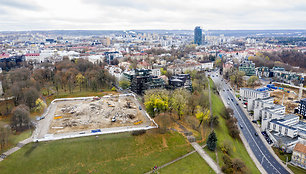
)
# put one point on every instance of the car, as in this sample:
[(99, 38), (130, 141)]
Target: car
[(237, 104), (241, 126), (232, 99), (223, 90), (140, 108), (256, 134), (231, 89), (254, 121), (82, 132), (227, 90), (228, 98)]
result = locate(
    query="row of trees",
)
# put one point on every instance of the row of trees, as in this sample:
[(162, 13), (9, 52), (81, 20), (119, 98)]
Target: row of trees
[(25, 84), (285, 58), (182, 102), (231, 122)]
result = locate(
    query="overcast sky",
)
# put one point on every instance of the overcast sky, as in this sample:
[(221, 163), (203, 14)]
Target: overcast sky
[(151, 14)]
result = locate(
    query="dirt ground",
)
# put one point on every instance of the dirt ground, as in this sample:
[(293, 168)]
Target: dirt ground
[(289, 98), (80, 115)]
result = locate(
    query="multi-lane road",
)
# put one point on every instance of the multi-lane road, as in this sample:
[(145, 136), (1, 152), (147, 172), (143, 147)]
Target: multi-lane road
[(263, 155)]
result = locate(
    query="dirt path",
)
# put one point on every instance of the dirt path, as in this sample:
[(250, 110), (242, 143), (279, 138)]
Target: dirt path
[(164, 142)]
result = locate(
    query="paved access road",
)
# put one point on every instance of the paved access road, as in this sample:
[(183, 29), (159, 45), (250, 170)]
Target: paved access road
[(263, 155)]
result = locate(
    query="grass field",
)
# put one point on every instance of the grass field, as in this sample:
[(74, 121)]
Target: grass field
[(297, 170), (238, 150), (192, 164), (14, 139), (114, 153)]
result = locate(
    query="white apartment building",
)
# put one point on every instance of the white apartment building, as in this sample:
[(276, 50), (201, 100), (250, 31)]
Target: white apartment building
[(1, 89), (155, 72), (285, 126), (251, 95), (264, 108), (34, 57), (207, 65)]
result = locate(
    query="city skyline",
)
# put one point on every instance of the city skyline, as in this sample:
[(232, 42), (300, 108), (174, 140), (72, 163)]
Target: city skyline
[(20, 15)]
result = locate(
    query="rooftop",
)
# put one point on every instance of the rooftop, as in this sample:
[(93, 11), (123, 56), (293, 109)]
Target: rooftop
[(300, 148), (254, 90), (284, 139)]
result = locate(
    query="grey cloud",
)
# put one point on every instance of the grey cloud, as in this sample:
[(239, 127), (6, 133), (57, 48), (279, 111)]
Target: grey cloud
[(19, 4)]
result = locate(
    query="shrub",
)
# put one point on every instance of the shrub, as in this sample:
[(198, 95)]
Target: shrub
[(226, 147), (138, 132), (212, 141)]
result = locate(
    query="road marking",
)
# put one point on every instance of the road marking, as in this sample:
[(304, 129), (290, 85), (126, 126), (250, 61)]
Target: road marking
[(254, 139), (250, 133)]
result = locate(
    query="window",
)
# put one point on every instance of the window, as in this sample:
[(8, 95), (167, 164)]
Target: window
[(286, 131), (280, 129), (274, 127)]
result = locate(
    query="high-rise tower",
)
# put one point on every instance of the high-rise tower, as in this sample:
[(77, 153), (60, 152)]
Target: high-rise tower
[(198, 36)]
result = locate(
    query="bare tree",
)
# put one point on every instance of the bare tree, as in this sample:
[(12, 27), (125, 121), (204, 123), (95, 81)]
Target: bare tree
[(4, 134), (21, 118)]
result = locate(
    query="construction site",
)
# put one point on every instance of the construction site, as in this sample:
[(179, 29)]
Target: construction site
[(287, 96), (96, 113)]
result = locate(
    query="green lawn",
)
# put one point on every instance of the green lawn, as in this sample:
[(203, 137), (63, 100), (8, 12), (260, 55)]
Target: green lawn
[(14, 139), (191, 164), (296, 170), (113, 153), (238, 150), (284, 156)]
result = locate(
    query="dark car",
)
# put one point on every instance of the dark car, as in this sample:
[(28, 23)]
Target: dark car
[(232, 99), (241, 126), (223, 90), (254, 121), (237, 104), (256, 134), (140, 108)]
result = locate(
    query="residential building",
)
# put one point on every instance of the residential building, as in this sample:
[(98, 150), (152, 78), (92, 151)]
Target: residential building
[(251, 95), (263, 72), (285, 131), (265, 108), (34, 57), (198, 36), (142, 79), (248, 67), (298, 157), (1, 89), (111, 55), (180, 81), (156, 72), (302, 108)]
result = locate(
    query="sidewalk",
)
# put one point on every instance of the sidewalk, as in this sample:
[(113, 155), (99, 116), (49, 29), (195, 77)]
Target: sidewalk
[(261, 137), (177, 159), (246, 145), (18, 146), (206, 157)]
